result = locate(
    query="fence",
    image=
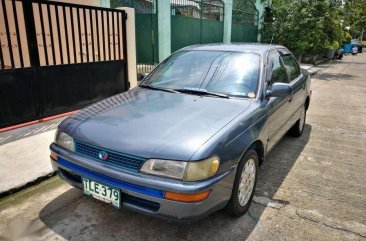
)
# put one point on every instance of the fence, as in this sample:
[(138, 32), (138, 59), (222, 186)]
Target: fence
[(196, 22), (56, 57), (244, 21), (146, 32), (65, 34), (192, 22)]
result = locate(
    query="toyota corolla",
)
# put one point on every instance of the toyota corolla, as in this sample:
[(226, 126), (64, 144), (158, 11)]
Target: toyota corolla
[(189, 139)]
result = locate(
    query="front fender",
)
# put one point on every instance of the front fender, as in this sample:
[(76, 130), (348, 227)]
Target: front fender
[(231, 142)]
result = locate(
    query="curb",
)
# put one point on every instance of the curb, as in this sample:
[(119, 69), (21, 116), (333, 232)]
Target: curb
[(9, 128), (27, 185), (312, 73)]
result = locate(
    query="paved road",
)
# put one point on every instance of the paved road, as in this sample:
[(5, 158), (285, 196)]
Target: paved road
[(28, 131), (310, 188)]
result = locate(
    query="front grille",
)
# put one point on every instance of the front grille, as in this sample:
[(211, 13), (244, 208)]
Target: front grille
[(114, 158)]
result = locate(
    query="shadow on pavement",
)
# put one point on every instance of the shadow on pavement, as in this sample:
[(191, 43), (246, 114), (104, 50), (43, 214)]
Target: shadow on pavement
[(76, 217), (335, 76)]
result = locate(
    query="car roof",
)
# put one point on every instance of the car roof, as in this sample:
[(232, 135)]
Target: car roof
[(235, 47)]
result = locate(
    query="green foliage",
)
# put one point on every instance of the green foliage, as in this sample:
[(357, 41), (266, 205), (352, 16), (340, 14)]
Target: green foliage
[(305, 27), (354, 13), (347, 38), (334, 45)]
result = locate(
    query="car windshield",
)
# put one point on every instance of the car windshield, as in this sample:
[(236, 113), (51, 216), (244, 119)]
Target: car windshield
[(228, 73)]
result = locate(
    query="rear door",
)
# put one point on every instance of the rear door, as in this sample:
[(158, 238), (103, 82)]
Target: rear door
[(297, 82)]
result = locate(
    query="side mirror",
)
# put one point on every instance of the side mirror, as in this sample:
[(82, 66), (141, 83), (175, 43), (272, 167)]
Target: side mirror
[(141, 76), (279, 90)]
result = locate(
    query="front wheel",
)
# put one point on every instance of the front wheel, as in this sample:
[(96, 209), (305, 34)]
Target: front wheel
[(297, 129), (244, 185)]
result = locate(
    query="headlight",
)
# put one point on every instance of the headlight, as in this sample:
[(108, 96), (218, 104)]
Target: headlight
[(64, 140), (187, 171), (164, 168)]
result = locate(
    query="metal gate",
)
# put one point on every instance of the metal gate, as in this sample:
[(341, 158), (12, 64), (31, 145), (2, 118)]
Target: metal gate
[(244, 21), (146, 31), (196, 22), (57, 57)]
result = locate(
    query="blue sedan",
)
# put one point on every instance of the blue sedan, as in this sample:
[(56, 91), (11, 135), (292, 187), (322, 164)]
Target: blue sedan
[(190, 138)]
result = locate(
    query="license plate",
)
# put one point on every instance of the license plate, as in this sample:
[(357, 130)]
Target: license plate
[(102, 192)]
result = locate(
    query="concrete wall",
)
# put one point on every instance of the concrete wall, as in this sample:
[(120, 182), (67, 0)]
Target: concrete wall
[(131, 46)]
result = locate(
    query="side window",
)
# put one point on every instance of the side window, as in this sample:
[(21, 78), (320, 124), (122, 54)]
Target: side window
[(291, 66), (277, 73)]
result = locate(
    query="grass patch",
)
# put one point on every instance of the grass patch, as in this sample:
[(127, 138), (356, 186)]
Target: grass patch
[(20, 196)]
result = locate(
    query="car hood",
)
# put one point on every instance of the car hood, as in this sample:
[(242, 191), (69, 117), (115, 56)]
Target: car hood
[(152, 123)]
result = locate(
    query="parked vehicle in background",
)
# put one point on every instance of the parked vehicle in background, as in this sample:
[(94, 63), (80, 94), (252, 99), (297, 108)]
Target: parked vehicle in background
[(354, 50), (358, 44), (339, 54), (190, 138)]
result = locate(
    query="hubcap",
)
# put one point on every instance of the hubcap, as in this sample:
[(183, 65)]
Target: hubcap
[(247, 180), (302, 119)]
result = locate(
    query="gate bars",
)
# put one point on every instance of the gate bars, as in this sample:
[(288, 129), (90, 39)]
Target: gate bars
[(56, 57), (66, 33), (205, 9), (90, 27), (245, 12), (13, 51)]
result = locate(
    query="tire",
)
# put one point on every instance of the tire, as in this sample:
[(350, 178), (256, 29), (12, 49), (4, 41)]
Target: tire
[(298, 128), (235, 207)]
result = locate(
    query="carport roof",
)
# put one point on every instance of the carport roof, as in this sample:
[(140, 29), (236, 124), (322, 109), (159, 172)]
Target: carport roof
[(237, 47)]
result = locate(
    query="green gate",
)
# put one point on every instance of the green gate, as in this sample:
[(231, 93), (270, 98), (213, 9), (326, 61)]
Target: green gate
[(192, 22), (146, 31), (244, 21), (196, 22)]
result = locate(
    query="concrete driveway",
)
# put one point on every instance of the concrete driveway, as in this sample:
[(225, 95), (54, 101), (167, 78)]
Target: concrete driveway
[(309, 188)]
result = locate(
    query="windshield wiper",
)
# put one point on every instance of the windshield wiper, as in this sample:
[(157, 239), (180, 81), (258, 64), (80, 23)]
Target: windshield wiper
[(201, 92), (158, 88)]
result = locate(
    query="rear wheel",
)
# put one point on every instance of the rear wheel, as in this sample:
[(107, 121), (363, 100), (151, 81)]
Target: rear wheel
[(297, 129), (244, 185)]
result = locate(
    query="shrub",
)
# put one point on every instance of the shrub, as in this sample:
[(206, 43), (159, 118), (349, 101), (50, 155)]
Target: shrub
[(347, 38), (335, 45)]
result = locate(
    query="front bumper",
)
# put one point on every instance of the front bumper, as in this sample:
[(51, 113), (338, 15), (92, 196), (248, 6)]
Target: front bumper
[(145, 193)]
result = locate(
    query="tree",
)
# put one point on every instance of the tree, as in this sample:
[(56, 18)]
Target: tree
[(306, 26), (354, 13)]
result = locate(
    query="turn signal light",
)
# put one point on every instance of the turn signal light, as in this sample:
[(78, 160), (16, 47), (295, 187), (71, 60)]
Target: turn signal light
[(186, 197)]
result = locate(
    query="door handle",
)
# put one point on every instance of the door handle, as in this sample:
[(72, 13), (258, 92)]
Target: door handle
[(290, 98), (303, 87)]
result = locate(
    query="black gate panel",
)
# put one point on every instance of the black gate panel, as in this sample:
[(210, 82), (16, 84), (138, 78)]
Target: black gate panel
[(18, 96), (71, 87), (57, 57)]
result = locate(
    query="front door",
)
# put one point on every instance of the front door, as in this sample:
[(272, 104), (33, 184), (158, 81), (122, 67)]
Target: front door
[(278, 107)]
